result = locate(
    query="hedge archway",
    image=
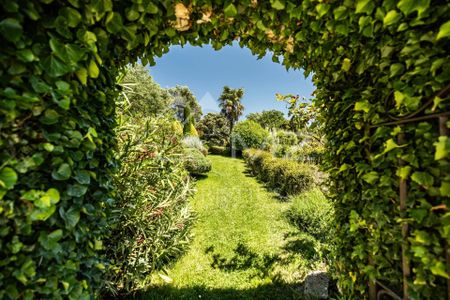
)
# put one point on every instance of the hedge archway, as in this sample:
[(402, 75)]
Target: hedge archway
[(59, 63)]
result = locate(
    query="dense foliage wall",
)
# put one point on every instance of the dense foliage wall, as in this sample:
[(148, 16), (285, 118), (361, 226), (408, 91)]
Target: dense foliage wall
[(60, 60)]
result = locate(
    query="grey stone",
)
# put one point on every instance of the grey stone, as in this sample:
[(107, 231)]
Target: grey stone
[(316, 285)]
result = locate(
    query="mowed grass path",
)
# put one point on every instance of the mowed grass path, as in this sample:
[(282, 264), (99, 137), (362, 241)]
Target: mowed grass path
[(243, 247)]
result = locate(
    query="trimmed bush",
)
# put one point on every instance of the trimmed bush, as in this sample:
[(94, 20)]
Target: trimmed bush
[(287, 177), (248, 134), (311, 212), (194, 142), (195, 162), (218, 150)]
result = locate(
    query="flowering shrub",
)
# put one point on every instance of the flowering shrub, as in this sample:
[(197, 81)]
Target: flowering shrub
[(152, 220)]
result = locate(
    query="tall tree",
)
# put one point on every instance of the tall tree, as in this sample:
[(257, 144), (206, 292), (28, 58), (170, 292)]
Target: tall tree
[(186, 106), (214, 129), (141, 94), (230, 104), (268, 119)]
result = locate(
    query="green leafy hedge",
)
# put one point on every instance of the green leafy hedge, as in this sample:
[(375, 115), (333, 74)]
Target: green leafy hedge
[(60, 60), (195, 162), (287, 177)]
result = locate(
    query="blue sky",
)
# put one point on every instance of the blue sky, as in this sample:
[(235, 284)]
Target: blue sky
[(205, 71)]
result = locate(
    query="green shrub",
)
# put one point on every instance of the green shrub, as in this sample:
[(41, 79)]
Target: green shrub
[(218, 150), (189, 130), (195, 162), (310, 152), (194, 142), (288, 177), (311, 212), (151, 227), (248, 134), (282, 142)]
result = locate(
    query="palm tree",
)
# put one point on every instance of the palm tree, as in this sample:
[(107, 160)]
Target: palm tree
[(230, 104)]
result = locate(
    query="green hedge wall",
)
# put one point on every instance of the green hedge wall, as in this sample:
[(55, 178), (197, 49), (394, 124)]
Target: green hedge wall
[(59, 63)]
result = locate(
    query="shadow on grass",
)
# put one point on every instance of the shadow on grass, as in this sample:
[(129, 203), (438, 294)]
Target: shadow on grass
[(273, 291), (243, 259), (199, 177)]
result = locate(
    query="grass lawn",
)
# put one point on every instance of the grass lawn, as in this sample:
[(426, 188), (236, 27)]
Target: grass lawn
[(243, 247)]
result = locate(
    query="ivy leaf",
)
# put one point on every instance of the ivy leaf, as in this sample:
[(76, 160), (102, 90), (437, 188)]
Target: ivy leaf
[(403, 172), (444, 31), (42, 214), (62, 173), (114, 22), (370, 177), (346, 64), (439, 269), (322, 9), (82, 177), (398, 97), (72, 16), (396, 69), (391, 17), (72, 217), (50, 117), (26, 55), (340, 13), (365, 6), (55, 67), (93, 69), (76, 190), (362, 106), (422, 178), (230, 11), (11, 29), (8, 178), (408, 6), (445, 189), (82, 75), (442, 148)]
